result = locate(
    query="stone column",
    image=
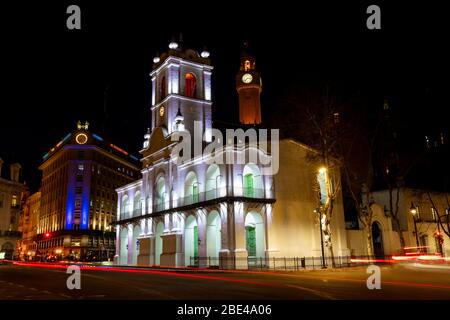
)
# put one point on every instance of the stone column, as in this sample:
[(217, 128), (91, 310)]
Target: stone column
[(172, 253), (201, 225), (144, 251), (224, 253), (237, 226)]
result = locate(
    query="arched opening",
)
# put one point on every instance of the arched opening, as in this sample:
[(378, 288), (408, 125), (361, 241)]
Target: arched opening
[(252, 181), (191, 188), (162, 88), (158, 242), (190, 241), (213, 181), (377, 240), (254, 236), (135, 244), (190, 85), (137, 206), (160, 194), (125, 209), (123, 256), (213, 237)]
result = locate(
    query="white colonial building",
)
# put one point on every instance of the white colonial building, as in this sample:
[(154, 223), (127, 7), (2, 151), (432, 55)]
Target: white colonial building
[(227, 213)]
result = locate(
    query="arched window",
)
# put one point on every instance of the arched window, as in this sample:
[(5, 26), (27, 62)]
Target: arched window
[(191, 188), (190, 85), (213, 181), (137, 206), (124, 212), (252, 181), (161, 194), (247, 65), (162, 89)]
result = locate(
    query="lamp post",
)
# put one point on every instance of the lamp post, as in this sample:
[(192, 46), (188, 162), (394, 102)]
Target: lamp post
[(318, 212), (414, 213)]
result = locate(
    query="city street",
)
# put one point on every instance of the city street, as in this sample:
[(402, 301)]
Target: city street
[(397, 282)]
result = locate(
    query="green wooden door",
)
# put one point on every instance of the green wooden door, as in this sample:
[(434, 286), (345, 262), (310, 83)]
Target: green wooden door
[(248, 185), (195, 193), (250, 238), (195, 241)]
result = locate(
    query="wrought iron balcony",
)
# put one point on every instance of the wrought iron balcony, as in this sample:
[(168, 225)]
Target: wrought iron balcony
[(205, 198)]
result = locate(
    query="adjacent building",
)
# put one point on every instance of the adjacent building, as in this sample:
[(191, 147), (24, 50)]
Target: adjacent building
[(11, 194), (202, 212), (419, 212), (28, 225), (78, 199)]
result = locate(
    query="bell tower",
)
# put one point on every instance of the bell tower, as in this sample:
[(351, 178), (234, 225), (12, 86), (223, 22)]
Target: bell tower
[(181, 90), (249, 87)]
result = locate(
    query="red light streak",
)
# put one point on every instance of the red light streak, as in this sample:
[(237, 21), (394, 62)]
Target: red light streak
[(119, 149), (370, 260)]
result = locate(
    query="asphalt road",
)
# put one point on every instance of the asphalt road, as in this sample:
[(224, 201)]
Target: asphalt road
[(397, 282)]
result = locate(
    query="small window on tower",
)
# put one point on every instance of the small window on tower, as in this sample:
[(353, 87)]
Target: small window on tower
[(247, 65), (162, 88), (190, 85)]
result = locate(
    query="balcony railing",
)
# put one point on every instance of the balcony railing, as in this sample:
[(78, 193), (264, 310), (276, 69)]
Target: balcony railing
[(212, 194), (137, 212), (192, 199)]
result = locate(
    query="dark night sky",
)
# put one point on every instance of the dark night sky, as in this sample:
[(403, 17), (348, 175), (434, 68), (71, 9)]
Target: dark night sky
[(55, 76)]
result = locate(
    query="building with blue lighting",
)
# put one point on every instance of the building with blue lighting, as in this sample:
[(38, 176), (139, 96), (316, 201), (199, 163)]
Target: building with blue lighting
[(78, 199)]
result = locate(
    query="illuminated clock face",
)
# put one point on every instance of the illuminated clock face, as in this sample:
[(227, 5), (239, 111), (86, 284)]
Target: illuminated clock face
[(247, 78), (161, 111), (81, 138)]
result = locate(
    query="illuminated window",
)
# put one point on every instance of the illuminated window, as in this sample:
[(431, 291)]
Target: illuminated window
[(247, 65), (14, 203), (190, 85)]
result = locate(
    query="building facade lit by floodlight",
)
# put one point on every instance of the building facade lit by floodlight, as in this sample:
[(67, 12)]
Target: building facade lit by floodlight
[(200, 213)]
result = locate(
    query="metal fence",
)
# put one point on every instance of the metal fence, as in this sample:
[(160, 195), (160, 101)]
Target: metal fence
[(285, 263), (261, 263)]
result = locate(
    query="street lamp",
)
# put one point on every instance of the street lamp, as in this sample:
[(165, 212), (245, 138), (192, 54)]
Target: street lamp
[(414, 211), (318, 212)]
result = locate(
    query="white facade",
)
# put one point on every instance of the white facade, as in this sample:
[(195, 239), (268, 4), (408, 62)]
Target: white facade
[(222, 213)]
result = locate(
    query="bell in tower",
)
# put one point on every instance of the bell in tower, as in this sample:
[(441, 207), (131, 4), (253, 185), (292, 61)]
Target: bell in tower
[(249, 87)]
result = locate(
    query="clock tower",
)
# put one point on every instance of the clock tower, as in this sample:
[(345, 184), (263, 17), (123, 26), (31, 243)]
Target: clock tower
[(249, 87)]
